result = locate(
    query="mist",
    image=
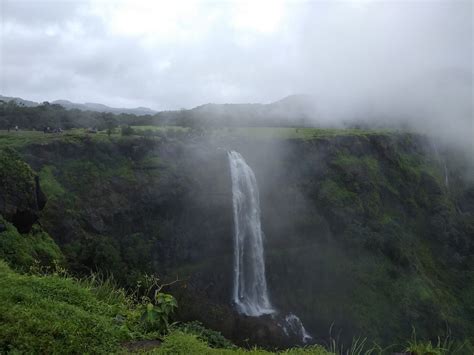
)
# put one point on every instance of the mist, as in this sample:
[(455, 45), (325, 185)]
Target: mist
[(394, 63)]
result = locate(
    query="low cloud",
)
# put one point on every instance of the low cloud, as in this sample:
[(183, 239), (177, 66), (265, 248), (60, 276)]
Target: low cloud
[(409, 60)]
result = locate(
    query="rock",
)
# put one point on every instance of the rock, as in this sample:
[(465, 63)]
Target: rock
[(21, 197)]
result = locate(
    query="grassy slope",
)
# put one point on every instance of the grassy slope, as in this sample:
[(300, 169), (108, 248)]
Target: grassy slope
[(56, 314), (22, 138)]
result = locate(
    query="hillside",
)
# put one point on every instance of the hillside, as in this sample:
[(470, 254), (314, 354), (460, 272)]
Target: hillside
[(362, 233)]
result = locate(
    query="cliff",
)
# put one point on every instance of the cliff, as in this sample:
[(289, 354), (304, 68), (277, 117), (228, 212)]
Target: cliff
[(362, 232)]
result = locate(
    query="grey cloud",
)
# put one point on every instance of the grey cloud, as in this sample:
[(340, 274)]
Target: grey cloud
[(392, 59)]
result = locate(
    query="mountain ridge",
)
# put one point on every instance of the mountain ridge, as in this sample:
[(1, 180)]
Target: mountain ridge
[(87, 106)]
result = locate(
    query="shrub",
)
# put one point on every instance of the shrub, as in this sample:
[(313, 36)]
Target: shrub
[(213, 338), (156, 314), (23, 251), (127, 131)]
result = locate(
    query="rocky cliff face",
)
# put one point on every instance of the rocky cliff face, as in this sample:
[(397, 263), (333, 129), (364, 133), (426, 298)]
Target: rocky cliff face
[(21, 198), (361, 230)]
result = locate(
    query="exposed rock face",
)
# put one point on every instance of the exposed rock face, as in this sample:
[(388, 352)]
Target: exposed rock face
[(21, 197)]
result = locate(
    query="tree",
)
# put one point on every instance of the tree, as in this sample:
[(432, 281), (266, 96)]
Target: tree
[(8, 113), (127, 131), (110, 122)]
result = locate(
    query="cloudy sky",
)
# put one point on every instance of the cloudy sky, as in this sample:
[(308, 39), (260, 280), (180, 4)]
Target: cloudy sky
[(171, 54)]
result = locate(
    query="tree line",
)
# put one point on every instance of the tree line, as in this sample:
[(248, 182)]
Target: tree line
[(56, 116)]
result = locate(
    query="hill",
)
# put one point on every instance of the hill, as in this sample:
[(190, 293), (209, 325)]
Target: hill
[(88, 106)]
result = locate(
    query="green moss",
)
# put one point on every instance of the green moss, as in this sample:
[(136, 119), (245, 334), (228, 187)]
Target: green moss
[(337, 195), (16, 177), (409, 166), (23, 251), (49, 184)]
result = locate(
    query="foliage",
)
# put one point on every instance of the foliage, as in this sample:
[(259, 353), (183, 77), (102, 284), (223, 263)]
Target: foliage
[(16, 177), (56, 116), (49, 184), (156, 315), (23, 251), (127, 131), (155, 306), (178, 342), (443, 346), (377, 242), (213, 338), (53, 314)]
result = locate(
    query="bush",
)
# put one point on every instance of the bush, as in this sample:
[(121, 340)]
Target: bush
[(156, 315), (23, 251), (127, 131), (213, 338)]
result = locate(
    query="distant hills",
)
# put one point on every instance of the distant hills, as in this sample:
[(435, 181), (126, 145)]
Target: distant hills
[(291, 110), (88, 106), (19, 101), (91, 106)]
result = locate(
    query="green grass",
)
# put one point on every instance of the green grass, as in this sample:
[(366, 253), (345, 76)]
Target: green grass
[(160, 128), (49, 184), (24, 251), (53, 314), (23, 138), (182, 343), (59, 314), (292, 133)]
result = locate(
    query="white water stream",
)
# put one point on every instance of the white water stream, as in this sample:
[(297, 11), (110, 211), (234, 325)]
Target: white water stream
[(250, 286), (250, 293)]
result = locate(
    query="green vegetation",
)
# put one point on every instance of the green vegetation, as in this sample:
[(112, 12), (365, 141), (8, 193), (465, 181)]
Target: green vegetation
[(361, 232), (293, 133), (55, 116), (57, 313), (25, 251), (157, 314), (184, 343), (213, 338), (24, 138), (52, 314), (50, 185), (16, 177)]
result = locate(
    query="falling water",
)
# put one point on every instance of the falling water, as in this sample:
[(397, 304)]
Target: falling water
[(446, 179), (250, 286), (250, 293), (443, 162), (292, 325)]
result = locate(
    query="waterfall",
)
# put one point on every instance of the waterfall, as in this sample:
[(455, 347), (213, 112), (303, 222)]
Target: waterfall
[(446, 179), (293, 325), (443, 162), (250, 293), (250, 286)]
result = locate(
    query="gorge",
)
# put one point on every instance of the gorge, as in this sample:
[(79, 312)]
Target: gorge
[(361, 230)]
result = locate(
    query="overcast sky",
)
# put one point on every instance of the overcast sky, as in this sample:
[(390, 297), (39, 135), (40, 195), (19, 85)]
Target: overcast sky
[(171, 54)]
